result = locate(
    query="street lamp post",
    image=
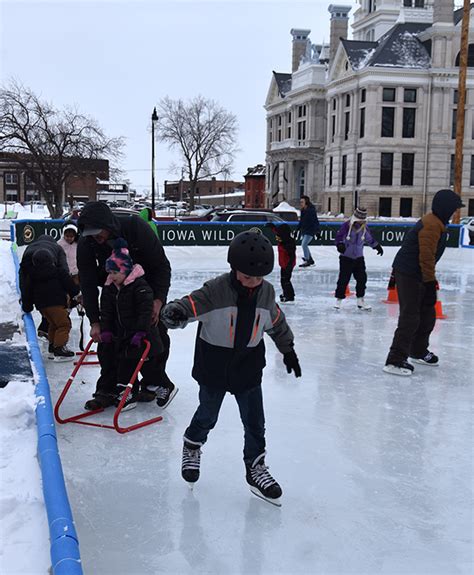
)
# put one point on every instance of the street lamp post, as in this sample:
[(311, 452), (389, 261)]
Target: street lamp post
[(154, 119)]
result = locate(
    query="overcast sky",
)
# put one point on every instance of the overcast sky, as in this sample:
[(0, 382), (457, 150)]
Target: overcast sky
[(117, 59)]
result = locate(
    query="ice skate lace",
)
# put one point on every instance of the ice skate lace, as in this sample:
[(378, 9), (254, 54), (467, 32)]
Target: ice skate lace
[(261, 476), (162, 392), (191, 458)]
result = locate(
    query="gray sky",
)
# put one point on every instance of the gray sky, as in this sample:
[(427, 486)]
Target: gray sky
[(116, 59)]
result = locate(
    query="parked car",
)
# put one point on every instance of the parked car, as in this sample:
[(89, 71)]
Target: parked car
[(246, 216)]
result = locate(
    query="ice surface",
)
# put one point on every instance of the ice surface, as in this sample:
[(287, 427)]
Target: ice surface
[(376, 470)]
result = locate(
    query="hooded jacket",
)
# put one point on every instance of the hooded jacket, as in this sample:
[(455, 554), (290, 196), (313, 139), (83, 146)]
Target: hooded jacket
[(143, 245), (309, 223), (354, 239), (425, 243)]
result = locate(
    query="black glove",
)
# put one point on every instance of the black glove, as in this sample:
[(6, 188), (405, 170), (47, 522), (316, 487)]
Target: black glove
[(379, 250), (430, 293), (341, 248), (290, 359), (173, 316)]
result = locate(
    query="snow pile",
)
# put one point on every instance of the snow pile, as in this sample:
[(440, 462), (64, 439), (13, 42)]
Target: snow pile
[(24, 542)]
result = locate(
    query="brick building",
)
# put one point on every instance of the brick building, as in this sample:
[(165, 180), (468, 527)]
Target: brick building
[(179, 190), (255, 187)]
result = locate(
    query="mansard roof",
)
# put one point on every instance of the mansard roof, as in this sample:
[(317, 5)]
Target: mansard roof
[(457, 16), (398, 48), (283, 82)]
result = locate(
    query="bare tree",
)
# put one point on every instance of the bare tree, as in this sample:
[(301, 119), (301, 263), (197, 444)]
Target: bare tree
[(50, 145), (203, 132)]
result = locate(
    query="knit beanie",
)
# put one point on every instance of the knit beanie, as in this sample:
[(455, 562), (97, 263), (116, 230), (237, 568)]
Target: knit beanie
[(42, 257), (359, 215), (119, 260)]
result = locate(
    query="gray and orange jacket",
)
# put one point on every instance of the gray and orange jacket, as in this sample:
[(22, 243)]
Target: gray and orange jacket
[(230, 352)]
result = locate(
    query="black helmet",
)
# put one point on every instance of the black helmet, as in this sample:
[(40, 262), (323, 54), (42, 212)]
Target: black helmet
[(251, 253)]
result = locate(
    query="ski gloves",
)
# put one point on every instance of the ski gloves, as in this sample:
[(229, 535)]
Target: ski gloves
[(379, 249), (341, 248), (290, 359), (173, 316), (106, 336), (138, 338), (430, 293)]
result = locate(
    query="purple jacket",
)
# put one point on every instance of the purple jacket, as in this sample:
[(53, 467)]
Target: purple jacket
[(355, 243)]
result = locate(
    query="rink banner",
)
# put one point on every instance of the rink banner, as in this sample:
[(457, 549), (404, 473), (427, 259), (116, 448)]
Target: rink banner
[(222, 233)]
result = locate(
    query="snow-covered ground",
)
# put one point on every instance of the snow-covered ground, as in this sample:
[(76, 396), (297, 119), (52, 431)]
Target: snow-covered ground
[(24, 538), (376, 470)]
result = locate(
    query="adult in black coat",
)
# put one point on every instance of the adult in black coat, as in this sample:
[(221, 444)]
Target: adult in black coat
[(308, 227), (99, 228)]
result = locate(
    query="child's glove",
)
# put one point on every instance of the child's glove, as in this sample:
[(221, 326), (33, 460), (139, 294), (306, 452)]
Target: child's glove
[(341, 248), (379, 250), (430, 293), (290, 359), (173, 316), (137, 339), (106, 336)]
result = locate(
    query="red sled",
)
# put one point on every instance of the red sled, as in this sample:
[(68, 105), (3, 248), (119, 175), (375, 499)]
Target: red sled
[(81, 416)]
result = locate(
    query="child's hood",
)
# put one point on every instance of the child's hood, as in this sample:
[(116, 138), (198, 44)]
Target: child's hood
[(137, 272)]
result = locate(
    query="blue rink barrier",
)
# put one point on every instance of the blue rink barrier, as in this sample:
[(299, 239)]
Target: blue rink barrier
[(65, 557)]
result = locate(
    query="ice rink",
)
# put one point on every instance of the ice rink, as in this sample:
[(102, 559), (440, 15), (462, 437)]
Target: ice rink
[(376, 470)]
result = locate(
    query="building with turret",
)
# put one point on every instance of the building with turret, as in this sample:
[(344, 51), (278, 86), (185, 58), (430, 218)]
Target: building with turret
[(390, 97)]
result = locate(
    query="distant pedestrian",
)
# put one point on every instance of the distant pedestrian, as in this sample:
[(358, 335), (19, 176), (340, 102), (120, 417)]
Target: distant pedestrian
[(308, 227), (286, 259), (68, 242), (414, 269), (350, 240)]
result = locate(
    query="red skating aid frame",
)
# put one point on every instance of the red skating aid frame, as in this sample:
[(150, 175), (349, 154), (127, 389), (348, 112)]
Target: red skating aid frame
[(81, 416)]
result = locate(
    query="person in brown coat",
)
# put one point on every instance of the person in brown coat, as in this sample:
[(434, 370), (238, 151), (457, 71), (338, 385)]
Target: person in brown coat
[(414, 270)]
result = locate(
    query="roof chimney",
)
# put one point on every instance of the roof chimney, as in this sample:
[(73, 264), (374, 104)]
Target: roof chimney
[(300, 39), (339, 24), (443, 11)]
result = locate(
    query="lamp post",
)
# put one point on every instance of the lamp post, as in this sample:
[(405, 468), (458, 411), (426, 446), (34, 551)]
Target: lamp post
[(154, 119)]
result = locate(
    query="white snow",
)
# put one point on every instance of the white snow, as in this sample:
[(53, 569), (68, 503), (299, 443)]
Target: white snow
[(376, 470), (24, 537)]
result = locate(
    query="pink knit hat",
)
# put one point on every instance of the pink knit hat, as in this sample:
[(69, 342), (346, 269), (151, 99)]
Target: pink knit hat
[(119, 260)]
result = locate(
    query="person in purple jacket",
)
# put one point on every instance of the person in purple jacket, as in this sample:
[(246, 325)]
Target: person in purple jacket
[(350, 240)]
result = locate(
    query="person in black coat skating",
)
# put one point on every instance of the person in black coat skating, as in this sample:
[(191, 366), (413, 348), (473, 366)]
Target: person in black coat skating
[(308, 227)]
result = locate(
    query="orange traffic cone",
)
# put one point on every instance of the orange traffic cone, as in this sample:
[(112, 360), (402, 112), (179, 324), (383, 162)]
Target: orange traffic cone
[(348, 291), (439, 310), (392, 295)]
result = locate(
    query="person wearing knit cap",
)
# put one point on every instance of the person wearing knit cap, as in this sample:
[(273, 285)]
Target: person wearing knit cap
[(350, 240), (68, 242), (126, 305)]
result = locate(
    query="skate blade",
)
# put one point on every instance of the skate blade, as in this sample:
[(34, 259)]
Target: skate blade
[(292, 302), (171, 397), (423, 362), (255, 491), (190, 485), (62, 359), (364, 308), (397, 371)]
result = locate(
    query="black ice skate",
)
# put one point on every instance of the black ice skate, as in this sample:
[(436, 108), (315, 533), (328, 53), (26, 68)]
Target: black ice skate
[(62, 353), (307, 263), (191, 461), (164, 395), (284, 299), (399, 368), (262, 483), (429, 359), (132, 398)]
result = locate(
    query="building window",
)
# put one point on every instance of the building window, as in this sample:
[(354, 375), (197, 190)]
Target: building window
[(406, 207), (301, 130), (451, 171), (359, 169), (11, 195), (385, 207), (471, 178), (388, 95), (409, 95), (329, 205), (301, 178), (388, 122), (347, 123), (344, 170), (453, 123), (330, 170), (362, 95), (386, 169), (11, 178), (288, 129), (408, 165), (348, 100), (419, 3), (301, 111), (409, 115), (334, 103), (343, 205), (362, 123), (470, 207), (333, 127), (455, 96)]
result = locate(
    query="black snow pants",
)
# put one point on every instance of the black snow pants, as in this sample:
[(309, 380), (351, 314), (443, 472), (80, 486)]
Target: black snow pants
[(347, 268), (285, 280)]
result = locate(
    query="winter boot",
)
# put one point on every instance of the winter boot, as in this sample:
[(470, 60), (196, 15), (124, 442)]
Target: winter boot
[(338, 304), (399, 368), (100, 401), (191, 461), (261, 482), (284, 299), (428, 359), (164, 395), (132, 397), (50, 351), (362, 305), (62, 353), (42, 334)]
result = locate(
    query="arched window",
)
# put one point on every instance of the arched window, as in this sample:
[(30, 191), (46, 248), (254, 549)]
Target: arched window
[(470, 57), (301, 187)]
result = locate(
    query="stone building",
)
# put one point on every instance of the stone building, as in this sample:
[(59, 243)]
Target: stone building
[(390, 113)]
